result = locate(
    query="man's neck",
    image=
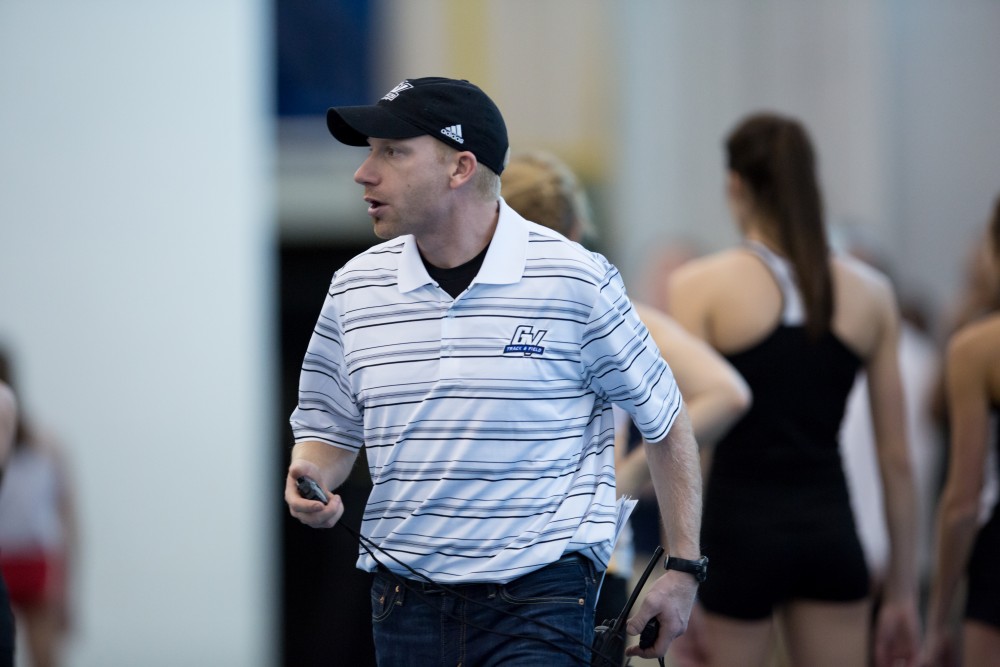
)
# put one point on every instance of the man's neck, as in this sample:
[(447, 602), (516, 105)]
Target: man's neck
[(463, 237)]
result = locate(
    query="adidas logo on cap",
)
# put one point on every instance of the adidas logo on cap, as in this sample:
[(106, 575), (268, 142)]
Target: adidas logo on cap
[(454, 132)]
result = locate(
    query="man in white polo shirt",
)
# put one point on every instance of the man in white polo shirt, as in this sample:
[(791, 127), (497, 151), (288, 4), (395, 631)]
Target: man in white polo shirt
[(476, 356)]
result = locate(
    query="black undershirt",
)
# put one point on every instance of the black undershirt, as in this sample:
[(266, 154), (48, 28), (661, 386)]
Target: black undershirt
[(454, 281)]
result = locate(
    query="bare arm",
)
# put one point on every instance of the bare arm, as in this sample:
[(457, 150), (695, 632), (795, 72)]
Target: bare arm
[(897, 632), (676, 473), (328, 466), (967, 386)]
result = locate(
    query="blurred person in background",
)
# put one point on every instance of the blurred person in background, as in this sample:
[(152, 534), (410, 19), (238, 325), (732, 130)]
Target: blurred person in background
[(966, 546), (38, 533), (543, 189), (798, 323), (978, 295), (8, 429)]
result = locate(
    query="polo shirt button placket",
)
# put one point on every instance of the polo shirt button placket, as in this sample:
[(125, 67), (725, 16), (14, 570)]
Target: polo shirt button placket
[(448, 326)]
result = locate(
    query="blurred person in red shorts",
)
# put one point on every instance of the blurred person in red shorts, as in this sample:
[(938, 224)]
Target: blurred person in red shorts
[(8, 424), (37, 531)]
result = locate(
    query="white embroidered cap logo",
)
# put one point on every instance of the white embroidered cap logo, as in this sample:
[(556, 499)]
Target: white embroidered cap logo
[(394, 93), (454, 132)]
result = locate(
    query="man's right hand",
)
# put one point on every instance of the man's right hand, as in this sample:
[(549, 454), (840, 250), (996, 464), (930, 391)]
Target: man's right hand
[(670, 601), (310, 512)]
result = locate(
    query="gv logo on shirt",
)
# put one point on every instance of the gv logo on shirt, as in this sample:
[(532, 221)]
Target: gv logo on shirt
[(526, 341)]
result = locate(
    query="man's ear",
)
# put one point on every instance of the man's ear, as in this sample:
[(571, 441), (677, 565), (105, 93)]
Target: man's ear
[(464, 167)]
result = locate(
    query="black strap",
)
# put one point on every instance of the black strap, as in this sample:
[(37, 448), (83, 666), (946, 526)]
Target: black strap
[(609, 638)]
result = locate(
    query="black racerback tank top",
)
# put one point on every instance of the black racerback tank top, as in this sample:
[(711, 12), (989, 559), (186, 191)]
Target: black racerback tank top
[(800, 386)]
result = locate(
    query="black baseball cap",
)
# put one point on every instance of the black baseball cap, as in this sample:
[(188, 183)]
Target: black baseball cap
[(451, 110)]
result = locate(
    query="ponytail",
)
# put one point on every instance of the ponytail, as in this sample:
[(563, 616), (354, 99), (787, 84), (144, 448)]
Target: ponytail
[(774, 157)]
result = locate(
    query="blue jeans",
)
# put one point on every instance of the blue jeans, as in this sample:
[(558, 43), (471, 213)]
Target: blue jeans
[(420, 625)]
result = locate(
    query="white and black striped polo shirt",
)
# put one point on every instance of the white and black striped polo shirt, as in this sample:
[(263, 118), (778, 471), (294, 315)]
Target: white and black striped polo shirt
[(487, 418)]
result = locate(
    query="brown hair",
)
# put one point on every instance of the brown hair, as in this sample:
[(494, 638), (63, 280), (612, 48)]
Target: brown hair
[(21, 431), (774, 157)]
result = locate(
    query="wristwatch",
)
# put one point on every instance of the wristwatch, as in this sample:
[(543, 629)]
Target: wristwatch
[(697, 568)]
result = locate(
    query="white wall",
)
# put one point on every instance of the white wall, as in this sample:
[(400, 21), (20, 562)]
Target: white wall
[(136, 291), (945, 152)]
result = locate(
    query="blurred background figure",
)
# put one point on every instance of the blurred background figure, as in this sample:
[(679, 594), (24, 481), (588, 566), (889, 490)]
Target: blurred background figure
[(798, 323), (543, 189), (968, 539), (978, 295), (8, 427), (38, 534)]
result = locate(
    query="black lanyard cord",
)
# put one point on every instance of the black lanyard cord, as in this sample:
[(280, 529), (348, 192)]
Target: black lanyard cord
[(405, 583), (612, 633)]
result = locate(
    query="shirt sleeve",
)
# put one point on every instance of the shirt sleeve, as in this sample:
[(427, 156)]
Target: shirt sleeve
[(327, 410), (622, 362)]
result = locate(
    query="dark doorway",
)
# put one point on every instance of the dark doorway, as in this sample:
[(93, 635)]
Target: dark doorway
[(326, 612)]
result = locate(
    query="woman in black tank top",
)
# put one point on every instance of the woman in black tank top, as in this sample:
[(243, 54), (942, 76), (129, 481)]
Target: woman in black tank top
[(964, 545), (798, 323)]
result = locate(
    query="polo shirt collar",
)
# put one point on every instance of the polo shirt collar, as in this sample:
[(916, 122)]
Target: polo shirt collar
[(503, 264)]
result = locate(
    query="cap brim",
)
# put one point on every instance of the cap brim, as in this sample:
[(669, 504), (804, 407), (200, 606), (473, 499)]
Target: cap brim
[(353, 125)]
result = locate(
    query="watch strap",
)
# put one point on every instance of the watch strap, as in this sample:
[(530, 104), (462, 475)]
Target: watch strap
[(697, 568)]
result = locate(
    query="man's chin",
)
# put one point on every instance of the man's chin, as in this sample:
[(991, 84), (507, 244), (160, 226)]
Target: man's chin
[(384, 230)]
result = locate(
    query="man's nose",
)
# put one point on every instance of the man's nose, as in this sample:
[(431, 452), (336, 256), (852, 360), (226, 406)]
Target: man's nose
[(365, 174)]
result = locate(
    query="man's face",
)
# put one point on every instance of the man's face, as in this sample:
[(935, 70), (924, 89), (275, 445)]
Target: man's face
[(406, 183)]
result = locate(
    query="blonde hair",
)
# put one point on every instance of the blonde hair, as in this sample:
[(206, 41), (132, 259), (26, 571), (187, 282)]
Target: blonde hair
[(543, 189)]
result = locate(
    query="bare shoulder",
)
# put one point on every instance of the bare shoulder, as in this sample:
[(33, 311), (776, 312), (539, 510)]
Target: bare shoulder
[(717, 269), (866, 316), (717, 262), (973, 356), (858, 278), (977, 342), (729, 299)]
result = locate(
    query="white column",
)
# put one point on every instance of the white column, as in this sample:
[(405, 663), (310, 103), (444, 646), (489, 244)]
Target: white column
[(136, 291)]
